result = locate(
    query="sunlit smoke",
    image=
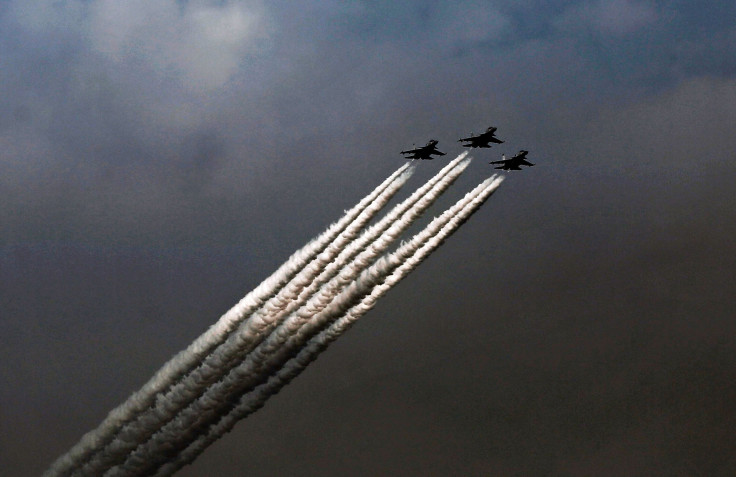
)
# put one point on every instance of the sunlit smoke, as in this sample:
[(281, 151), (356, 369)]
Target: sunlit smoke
[(186, 360), (272, 334), (192, 386), (252, 401)]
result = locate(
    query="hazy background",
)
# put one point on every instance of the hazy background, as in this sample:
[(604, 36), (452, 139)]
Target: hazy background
[(159, 158)]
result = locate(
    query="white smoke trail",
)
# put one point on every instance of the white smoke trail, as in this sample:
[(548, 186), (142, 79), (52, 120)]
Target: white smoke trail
[(367, 247), (351, 271), (256, 328), (277, 349), (255, 399), (296, 299), (167, 402), (189, 358)]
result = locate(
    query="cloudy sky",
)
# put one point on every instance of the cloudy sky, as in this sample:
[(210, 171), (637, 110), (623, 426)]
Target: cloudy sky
[(159, 158)]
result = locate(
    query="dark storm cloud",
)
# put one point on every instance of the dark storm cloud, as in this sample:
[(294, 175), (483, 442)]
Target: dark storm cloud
[(139, 169), (109, 112), (114, 112)]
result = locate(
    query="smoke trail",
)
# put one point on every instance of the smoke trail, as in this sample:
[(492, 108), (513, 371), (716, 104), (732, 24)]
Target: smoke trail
[(189, 358), (350, 272), (254, 400), (166, 404), (256, 328), (294, 297), (378, 236), (277, 349)]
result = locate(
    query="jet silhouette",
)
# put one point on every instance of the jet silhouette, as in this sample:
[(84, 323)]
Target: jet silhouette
[(513, 164), (481, 140), (424, 152)]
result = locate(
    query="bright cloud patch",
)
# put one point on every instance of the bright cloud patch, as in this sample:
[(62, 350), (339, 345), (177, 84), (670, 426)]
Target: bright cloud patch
[(473, 21), (203, 42)]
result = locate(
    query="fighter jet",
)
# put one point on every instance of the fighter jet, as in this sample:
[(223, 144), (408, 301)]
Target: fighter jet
[(424, 152), (482, 140), (513, 164)]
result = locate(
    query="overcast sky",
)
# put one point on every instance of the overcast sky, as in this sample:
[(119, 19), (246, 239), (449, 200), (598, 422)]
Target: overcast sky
[(159, 158)]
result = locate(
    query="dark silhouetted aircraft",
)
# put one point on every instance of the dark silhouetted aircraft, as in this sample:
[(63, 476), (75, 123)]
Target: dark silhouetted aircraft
[(424, 152), (513, 164), (482, 140)]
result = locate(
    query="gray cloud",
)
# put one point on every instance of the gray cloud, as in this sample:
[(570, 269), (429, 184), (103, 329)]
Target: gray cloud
[(590, 301), (609, 17)]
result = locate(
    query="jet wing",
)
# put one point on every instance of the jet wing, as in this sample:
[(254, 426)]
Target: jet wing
[(480, 141), (424, 152)]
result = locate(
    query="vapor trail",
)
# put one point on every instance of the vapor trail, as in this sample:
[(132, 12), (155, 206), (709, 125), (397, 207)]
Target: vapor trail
[(294, 297), (186, 360), (255, 399), (210, 368), (253, 331), (354, 257), (279, 347)]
